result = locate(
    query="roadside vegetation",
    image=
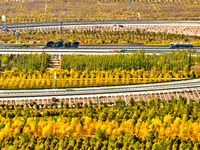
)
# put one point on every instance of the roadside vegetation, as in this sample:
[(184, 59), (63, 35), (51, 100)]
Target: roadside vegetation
[(155, 124), (28, 62), (177, 60), (97, 70), (97, 37), (15, 79)]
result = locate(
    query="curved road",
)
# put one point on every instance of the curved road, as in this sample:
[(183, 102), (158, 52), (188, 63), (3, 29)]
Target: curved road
[(182, 85), (66, 23), (179, 85), (89, 49)]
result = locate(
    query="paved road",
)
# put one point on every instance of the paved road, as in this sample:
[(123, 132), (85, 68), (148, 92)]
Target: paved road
[(67, 23), (165, 87), (83, 51), (90, 49)]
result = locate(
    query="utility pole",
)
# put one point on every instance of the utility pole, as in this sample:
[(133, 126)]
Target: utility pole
[(163, 38), (16, 36), (45, 9), (61, 13), (61, 27), (54, 80), (165, 31)]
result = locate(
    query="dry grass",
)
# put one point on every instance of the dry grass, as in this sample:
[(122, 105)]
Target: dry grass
[(34, 11)]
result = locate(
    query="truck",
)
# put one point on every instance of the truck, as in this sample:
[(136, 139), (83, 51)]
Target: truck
[(181, 45), (59, 44)]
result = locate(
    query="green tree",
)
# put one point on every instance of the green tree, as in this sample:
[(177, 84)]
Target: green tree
[(120, 104), (66, 106), (61, 104)]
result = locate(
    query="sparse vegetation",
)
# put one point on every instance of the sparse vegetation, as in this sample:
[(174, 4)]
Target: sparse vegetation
[(98, 37), (53, 10)]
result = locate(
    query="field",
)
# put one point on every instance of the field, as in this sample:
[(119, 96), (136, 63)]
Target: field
[(54, 10)]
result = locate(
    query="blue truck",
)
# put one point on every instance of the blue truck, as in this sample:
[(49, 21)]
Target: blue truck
[(59, 44)]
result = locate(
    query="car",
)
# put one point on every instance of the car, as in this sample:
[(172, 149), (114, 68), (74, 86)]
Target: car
[(54, 100)]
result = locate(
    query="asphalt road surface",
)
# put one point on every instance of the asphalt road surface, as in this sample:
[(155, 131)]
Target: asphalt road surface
[(92, 49), (98, 22), (165, 87)]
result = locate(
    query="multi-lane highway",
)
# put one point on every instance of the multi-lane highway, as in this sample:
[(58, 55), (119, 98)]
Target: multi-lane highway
[(163, 91), (191, 84), (91, 49), (97, 49), (57, 53), (185, 88), (103, 90), (97, 22)]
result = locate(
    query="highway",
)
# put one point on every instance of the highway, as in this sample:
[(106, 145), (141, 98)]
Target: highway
[(99, 50), (178, 85), (98, 22), (91, 49)]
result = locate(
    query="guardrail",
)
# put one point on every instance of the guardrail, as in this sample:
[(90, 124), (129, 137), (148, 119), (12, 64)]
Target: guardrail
[(105, 92), (37, 24), (85, 51), (91, 46), (87, 46)]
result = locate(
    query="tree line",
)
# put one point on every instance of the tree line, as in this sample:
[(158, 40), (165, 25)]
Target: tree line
[(17, 79), (97, 37), (177, 60), (25, 62)]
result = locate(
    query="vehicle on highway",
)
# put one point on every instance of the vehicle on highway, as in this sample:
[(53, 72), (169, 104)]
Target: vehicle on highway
[(181, 45), (60, 44), (117, 50), (54, 100)]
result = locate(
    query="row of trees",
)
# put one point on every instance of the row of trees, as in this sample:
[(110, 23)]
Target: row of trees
[(180, 107), (179, 60), (72, 78), (98, 37), (26, 62), (176, 61), (99, 141), (154, 124)]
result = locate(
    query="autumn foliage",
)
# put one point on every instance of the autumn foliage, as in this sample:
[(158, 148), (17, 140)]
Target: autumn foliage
[(16, 78), (97, 70), (153, 124)]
